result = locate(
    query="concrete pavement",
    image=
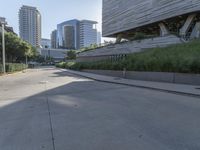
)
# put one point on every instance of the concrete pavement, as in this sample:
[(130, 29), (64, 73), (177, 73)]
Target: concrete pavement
[(52, 109)]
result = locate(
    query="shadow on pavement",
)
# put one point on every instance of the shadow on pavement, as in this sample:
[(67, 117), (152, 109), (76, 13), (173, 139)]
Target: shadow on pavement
[(89, 115)]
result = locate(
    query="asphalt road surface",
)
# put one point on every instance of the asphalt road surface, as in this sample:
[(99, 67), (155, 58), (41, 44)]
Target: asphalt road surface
[(50, 109)]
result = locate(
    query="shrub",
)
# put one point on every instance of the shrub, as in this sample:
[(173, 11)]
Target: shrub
[(182, 58), (13, 67)]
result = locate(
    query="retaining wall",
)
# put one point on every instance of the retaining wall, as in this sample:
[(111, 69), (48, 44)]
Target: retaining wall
[(180, 78), (122, 49)]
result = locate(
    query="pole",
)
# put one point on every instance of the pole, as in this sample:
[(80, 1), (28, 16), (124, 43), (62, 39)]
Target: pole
[(26, 60), (3, 50)]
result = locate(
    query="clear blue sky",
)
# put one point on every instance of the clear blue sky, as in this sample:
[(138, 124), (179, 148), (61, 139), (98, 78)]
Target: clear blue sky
[(53, 12)]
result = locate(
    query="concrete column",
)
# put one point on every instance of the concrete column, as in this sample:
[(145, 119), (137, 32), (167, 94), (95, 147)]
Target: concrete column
[(119, 38), (196, 31), (163, 29), (186, 26)]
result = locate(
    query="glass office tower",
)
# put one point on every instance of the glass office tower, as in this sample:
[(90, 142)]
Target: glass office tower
[(68, 35)]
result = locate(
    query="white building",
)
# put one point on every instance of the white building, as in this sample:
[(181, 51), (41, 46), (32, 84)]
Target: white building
[(45, 43), (88, 33), (30, 25)]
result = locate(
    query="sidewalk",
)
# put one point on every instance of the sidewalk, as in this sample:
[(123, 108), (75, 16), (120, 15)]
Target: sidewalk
[(189, 90)]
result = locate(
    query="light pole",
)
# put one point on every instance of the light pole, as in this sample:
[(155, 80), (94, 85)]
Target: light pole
[(3, 23)]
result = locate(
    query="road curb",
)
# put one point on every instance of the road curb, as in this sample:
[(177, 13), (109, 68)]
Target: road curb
[(133, 85)]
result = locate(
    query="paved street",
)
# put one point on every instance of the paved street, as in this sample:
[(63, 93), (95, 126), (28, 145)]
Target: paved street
[(51, 109)]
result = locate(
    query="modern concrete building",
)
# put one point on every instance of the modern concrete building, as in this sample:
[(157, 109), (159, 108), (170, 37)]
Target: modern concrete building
[(68, 35), (157, 23), (124, 18), (30, 25), (46, 43), (53, 39), (88, 33)]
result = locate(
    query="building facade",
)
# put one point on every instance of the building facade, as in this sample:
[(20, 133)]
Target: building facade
[(88, 33), (75, 34), (46, 43), (124, 18), (30, 25), (68, 35), (53, 39)]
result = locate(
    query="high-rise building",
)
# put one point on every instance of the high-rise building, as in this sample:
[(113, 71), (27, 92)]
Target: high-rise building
[(88, 33), (30, 25), (75, 34), (53, 39), (68, 35)]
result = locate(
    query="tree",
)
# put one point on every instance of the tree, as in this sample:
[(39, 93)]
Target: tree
[(71, 55), (16, 48)]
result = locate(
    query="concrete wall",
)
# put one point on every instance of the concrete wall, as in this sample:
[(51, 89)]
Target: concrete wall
[(127, 48), (123, 15), (181, 78)]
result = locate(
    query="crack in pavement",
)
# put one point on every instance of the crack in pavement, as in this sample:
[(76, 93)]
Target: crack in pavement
[(50, 118)]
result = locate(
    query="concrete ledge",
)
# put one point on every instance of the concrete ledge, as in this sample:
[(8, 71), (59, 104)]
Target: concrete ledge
[(180, 78), (182, 89)]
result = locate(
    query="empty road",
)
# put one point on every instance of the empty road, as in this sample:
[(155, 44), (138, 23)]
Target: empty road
[(50, 109)]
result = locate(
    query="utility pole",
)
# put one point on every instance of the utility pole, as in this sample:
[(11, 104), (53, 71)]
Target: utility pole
[(3, 50), (3, 23)]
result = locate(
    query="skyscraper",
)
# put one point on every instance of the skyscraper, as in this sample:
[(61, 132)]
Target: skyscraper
[(69, 37), (75, 34), (53, 39), (30, 25), (88, 33), (68, 34)]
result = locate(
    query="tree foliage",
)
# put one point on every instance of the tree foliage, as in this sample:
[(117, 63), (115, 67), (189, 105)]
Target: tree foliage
[(71, 55), (16, 49)]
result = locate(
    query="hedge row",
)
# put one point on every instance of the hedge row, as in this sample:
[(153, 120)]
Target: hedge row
[(182, 58), (13, 67)]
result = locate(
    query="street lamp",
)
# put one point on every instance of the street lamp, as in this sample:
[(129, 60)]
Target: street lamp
[(3, 23)]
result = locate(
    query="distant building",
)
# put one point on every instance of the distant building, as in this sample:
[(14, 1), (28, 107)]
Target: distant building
[(56, 54), (75, 34), (7, 28), (46, 43), (30, 25), (98, 37), (53, 39), (88, 33), (68, 35)]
